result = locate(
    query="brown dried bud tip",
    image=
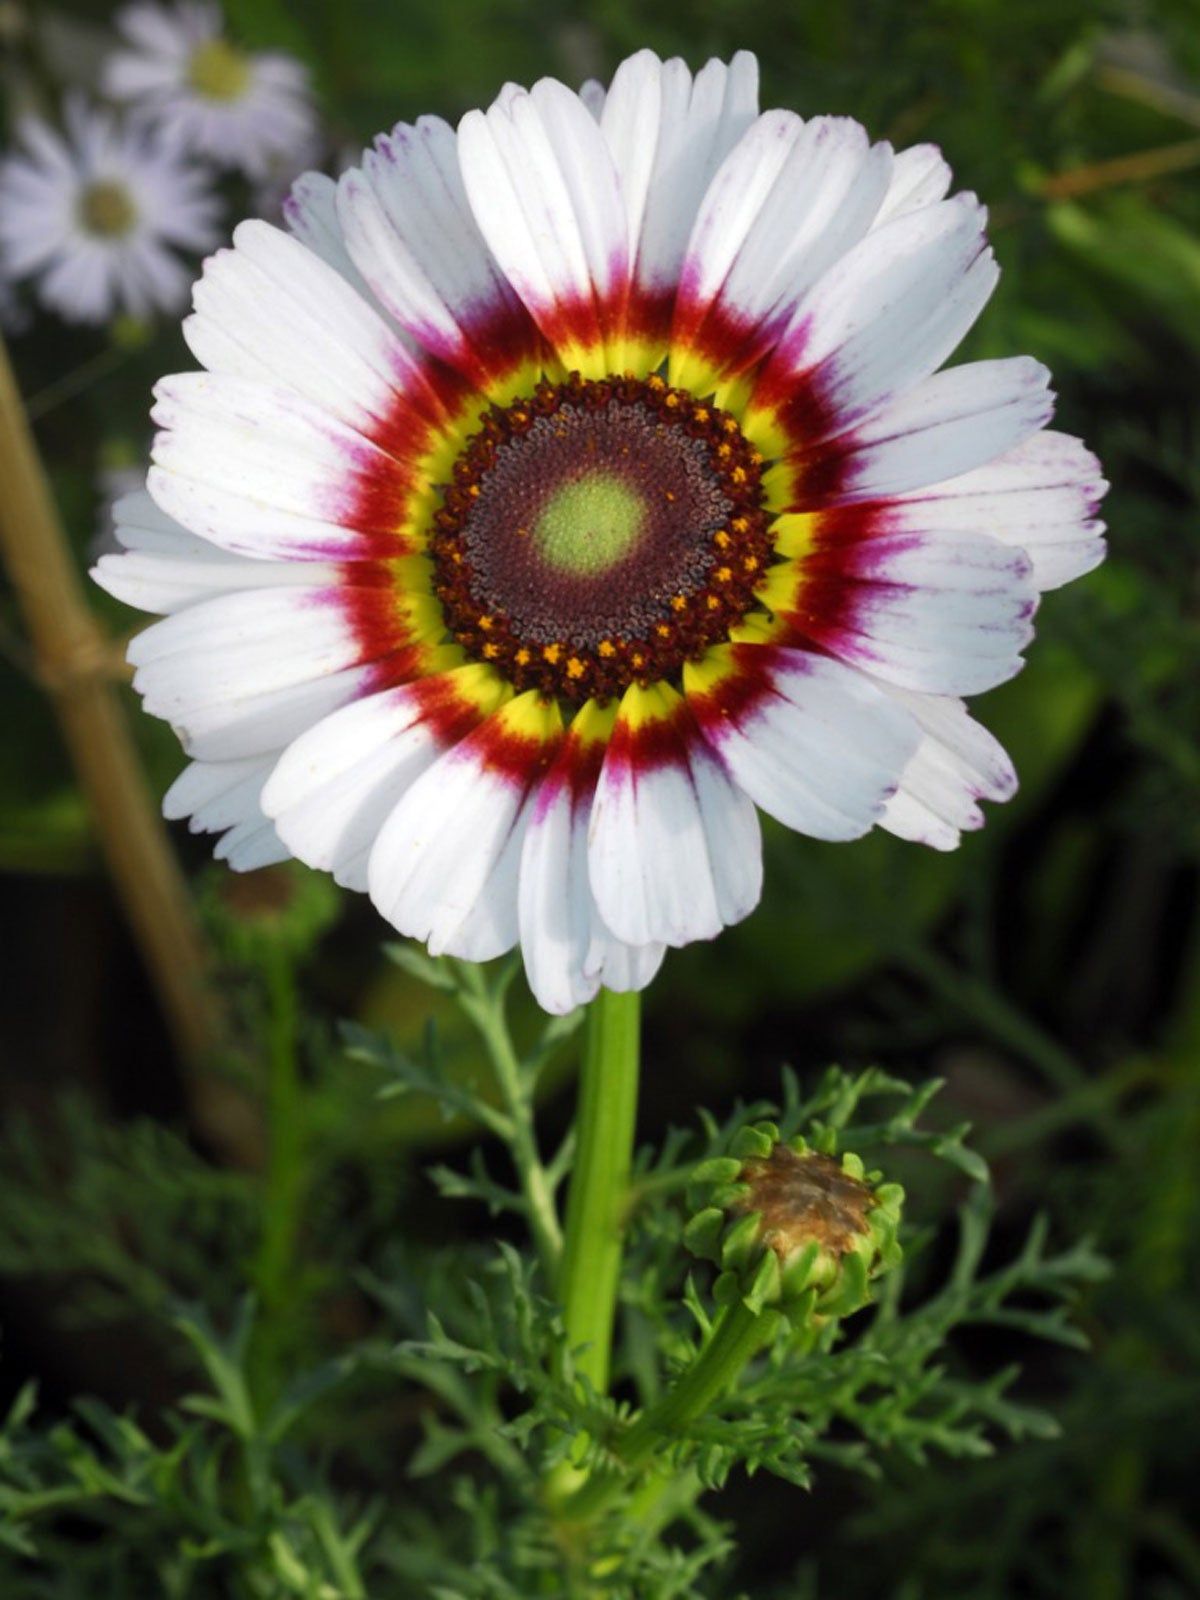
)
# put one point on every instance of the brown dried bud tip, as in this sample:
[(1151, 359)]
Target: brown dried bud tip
[(805, 1198), (256, 896), (283, 908), (793, 1227)]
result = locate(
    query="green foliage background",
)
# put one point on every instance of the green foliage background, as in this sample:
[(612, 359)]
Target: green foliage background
[(1048, 970)]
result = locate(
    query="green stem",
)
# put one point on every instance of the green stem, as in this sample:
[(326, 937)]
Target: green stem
[(285, 1160), (604, 1130), (485, 1007), (736, 1336)]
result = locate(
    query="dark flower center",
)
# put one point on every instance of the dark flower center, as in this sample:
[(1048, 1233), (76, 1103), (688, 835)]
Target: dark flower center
[(600, 533)]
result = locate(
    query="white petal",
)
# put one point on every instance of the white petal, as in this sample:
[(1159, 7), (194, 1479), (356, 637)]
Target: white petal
[(409, 227), (957, 764), (569, 952), (223, 797), (920, 177), (1042, 496), (263, 450), (668, 134), (335, 785), (250, 845), (444, 866), (545, 193), (163, 568), (246, 672), (624, 968), (885, 317), (555, 910), (789, 201), (310, 211), (674, 852), (270, 309), (945, 614), (947, 424), (814, 743), (232, 727)]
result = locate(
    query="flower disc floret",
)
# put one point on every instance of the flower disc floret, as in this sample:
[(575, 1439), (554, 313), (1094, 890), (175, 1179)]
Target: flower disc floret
[(597, 534)]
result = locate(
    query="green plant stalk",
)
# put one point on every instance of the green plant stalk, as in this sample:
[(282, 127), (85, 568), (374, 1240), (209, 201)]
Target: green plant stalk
[(596, 1206), (736, 1336), (486, 1011), (283, 1190)]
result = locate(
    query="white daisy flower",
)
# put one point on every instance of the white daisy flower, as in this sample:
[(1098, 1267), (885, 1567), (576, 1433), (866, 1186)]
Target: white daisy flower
[(570, 487), (250, 111), (94, 216)]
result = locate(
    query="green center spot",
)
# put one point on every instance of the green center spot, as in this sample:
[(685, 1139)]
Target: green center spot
[(218, 71), (107, 209), (590, 525)]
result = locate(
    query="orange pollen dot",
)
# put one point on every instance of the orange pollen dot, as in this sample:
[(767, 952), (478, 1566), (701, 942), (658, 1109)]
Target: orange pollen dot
[(751, 564), (523, 657), (638, 659), (473, 490), (606, 648), (491, 651), (671, 400), (552, 653), (701, 414), (678, 602), (711, 602), (575, 667), (723, 574), (485, 622), (656, 383), (669, 494), (721, 539), (663, 630), (740, 524), (738, 475)]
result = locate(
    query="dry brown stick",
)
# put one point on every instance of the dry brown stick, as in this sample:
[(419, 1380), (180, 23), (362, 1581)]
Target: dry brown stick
[(72, 656), (1141, 167)]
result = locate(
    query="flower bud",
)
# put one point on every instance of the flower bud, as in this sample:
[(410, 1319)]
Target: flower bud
[(280, 909), (793, 1227)]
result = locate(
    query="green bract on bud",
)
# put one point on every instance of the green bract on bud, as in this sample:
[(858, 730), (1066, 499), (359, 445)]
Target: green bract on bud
[(793, 1227)]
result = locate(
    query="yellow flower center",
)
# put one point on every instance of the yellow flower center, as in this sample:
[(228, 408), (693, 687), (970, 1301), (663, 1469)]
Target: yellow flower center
[(107, 210), (218, 71)]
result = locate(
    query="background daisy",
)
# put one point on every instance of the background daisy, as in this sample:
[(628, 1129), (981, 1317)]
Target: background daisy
[(248, 110), (96, 214)]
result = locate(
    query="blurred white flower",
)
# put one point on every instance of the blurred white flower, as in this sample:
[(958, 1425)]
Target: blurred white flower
[(244, 110), (91, 215), (270, 190)]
